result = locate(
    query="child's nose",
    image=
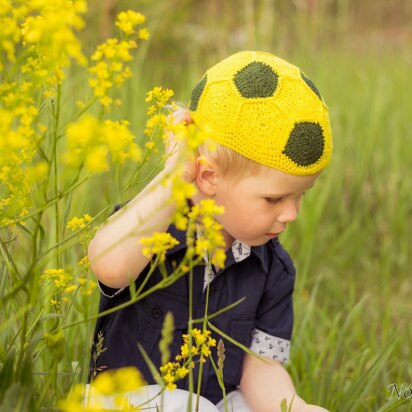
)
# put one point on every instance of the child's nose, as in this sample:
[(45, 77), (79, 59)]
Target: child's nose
[(289, 212)]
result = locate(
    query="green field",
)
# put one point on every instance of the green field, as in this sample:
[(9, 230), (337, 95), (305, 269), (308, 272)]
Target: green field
[(351, 244)]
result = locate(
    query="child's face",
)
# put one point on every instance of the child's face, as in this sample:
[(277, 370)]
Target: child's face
[(258, 208)]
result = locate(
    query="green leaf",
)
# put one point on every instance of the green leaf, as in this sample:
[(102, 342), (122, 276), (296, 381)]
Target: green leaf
[(236, 343), (6, 374), (361, 386), (18, 398), (151, 366)]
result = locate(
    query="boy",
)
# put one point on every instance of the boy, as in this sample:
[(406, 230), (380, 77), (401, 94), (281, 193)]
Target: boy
[(273, 138)]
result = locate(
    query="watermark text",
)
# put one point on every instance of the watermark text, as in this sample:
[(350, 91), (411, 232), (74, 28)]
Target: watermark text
[(396, 391)]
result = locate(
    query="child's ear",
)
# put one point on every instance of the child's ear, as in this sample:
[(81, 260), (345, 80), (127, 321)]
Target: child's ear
[(206, 176)]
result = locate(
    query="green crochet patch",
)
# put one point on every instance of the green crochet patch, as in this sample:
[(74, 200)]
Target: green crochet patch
[(305, 144), (311, 85), (196, 93), (257, 79)]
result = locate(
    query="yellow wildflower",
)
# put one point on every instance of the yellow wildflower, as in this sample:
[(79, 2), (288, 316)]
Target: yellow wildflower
[(110, 57), (159, 96), (84, 262), (172, 371), (210, 238), (127, 20), (118, 380), (158, 244), (115, 383), (181, 372), (143, 34), (79, 223), (120, 141), (61, 283), (92, 143)]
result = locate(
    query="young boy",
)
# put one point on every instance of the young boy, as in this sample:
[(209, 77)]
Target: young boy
[(273, 138)]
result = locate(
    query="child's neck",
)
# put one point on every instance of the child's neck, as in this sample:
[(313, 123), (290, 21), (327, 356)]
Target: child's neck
[(228, 239)]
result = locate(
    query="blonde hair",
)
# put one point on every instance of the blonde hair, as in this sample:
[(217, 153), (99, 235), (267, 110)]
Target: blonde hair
[(231, 164)]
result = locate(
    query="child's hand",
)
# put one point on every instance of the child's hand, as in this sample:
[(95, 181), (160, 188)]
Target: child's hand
[(173, 147)]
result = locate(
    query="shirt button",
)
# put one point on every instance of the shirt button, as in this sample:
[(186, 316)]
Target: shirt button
[(157, 313)]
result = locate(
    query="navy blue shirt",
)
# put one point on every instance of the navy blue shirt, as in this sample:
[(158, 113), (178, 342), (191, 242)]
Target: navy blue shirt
[(263, 321)]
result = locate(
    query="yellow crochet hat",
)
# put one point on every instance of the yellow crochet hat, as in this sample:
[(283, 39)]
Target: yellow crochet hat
[(267, 110)]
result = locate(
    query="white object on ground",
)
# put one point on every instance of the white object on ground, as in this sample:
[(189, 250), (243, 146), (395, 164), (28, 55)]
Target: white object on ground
[(171, 401)]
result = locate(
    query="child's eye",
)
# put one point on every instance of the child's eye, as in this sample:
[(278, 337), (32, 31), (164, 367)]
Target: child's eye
[(272, 200)]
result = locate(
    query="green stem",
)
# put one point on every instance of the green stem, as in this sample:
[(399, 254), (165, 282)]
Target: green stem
[(161, 285), (56, 176), (189, 333), (48, 204), (205, 319)]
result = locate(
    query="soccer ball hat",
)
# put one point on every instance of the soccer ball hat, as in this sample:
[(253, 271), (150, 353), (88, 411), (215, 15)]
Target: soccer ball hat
[(267, 110)]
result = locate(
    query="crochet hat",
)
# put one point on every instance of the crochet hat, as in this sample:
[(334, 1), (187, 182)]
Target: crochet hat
[(267, 110)]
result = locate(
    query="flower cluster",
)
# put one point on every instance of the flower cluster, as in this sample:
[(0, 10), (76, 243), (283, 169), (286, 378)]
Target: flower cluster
[(201, 342), (210, 238), (39, 41), (158, 244), (63, 284), (181, 191), (91, 143), (48, 34), (110, 68), (158, 121), (128, 20), (18, 140), (79, 222), (118, 381), (87, 231), (171, 372), (114, 384)]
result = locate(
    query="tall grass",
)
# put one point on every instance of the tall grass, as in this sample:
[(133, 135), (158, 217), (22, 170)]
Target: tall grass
[(351, 244)]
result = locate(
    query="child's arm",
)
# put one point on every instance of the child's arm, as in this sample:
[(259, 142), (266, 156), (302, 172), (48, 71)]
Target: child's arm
[(265, 385), (115, 253)]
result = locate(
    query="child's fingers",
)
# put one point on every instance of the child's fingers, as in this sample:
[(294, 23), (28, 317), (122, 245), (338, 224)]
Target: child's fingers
[(182, 116), (174, 147)]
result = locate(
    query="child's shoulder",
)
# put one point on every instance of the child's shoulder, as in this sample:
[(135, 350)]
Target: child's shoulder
[(280, 255)]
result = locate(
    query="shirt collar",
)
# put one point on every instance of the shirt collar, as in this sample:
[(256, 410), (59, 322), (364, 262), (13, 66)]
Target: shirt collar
[(240, 250)]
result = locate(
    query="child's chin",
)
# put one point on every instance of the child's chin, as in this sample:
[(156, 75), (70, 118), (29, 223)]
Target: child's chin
[(258, 242)]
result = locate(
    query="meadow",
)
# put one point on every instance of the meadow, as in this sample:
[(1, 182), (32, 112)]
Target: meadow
[(351, 244)]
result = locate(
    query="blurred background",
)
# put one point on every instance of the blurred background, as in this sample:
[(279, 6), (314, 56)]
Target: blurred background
[(352, 244), (202, 32)]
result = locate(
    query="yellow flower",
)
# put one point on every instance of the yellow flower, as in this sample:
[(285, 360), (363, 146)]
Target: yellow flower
[(172, 371), (118, 381), (143, 34), (79, 223), (84, 262), (181, 372), (120, 141), (210, 238), (159, 96), (127, 20), (158, 244), (110, 58), (61, 283), (92, 143)]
